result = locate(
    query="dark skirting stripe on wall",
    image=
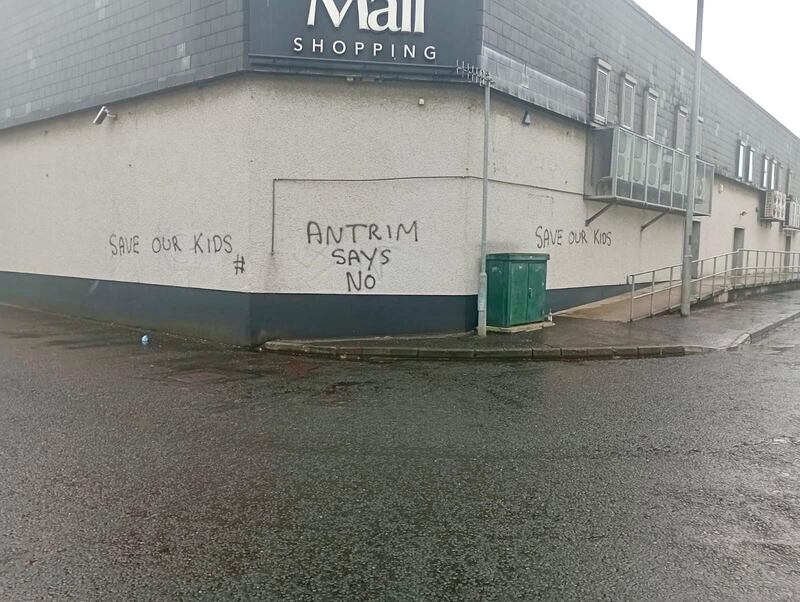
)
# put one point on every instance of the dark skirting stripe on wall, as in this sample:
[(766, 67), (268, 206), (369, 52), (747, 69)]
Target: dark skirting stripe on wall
[(207, 314), (252, 318)]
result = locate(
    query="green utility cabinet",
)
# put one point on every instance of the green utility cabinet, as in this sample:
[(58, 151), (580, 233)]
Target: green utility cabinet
[(517, 289)]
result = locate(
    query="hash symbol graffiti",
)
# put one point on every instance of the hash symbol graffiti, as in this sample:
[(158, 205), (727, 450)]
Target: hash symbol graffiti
[(238, 265)]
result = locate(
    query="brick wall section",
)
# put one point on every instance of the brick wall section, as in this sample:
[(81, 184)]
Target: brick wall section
[(58, 56), (561, 39)]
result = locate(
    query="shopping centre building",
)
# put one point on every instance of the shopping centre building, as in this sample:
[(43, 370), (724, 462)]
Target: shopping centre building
[(313, 168)]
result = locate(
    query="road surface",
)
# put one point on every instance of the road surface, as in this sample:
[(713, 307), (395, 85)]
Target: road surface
[(179, 471)]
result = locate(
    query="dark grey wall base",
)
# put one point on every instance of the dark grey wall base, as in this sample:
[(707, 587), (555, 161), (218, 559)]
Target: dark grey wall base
[(340, 316), (208, 314), (746, 293), (238, 318), (564, 298), (251, 319)]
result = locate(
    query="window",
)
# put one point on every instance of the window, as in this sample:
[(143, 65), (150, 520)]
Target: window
[(681, 121), (741, 157), (700, 131), (788, 181), (775, 175), (650, 113), (751, 162), (765, 173), (601, 87), (627, 100)]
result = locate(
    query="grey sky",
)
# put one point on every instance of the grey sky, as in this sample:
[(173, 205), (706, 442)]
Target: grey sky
[(752, 43)]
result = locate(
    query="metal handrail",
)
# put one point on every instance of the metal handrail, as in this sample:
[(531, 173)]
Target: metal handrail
[(735, 272)]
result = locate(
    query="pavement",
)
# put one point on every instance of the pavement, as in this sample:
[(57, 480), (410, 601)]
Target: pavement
[(648, 301), (716, 328), (184, 471), (663, 297)]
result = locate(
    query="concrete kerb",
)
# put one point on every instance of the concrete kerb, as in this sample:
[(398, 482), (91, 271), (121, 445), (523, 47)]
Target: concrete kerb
[(538, 354), (348, 351), (757, 335)]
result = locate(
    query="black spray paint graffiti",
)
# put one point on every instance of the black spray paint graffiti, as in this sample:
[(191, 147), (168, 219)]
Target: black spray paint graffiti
[(361, 248), (549, 237), (197, 244)]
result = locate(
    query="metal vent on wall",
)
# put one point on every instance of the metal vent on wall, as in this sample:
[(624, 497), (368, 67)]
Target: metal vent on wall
[(792, 214), (774, 206), (601, 96)]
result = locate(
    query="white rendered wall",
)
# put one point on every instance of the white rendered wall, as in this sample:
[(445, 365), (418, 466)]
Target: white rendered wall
[(738, 206), (536, 197), (201, 163), (170, 166)]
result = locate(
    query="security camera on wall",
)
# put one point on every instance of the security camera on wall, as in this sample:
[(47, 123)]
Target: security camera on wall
[(101, 116)]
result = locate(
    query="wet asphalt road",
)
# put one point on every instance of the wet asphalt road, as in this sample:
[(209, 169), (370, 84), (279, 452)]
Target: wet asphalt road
[(190, 472)]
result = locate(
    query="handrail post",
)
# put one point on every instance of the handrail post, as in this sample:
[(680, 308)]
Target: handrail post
[(758, 267), (746, 263), (700, 273), (742, 268), (633, 294), (755, 269), (725, 274), (772, 275), (714, 279), (652, 292), (669, 290)]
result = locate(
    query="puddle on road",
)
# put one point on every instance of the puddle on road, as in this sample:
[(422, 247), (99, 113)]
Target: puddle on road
[(773, 349), (21, 335), (782, 440), (346, 385), (226, 367)]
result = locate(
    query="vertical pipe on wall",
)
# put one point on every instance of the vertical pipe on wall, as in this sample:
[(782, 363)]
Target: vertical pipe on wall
[(687, 233), (483, 284), (272, 242)]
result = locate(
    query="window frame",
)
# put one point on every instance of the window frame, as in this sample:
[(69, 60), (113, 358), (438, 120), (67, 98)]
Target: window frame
[(651, 96), (681, 133), (700, 132), (627, 82), (601, 66), (751, 165), (775, 176), (741, 157), (767, 162)]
